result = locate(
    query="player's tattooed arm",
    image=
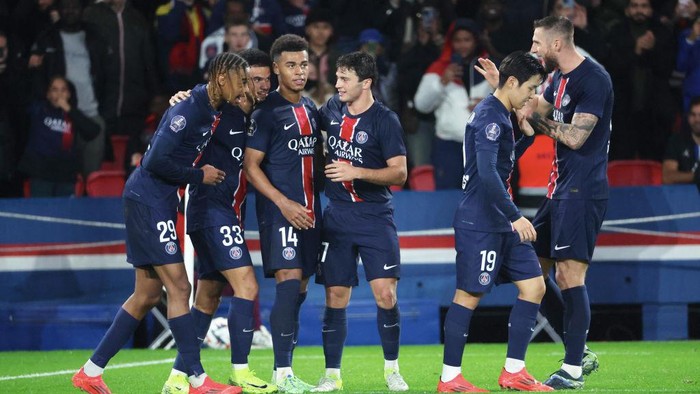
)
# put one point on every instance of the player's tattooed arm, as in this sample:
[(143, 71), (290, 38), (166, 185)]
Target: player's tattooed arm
[(573, 135)]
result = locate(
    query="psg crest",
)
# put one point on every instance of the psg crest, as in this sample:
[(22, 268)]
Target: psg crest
[(171, 248), (361, 137), (288, 253), (484, 278), (235, 252)]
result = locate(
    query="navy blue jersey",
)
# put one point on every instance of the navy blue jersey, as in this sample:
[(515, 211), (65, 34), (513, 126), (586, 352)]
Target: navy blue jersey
[(183, 133), (367, 140), (489, 156), (221, 204), (581, 173), (288, 135)]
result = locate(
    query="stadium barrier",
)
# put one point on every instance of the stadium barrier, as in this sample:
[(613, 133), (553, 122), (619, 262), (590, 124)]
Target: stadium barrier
[(60, 255)]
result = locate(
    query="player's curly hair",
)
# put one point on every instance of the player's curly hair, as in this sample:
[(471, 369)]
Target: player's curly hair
[(223, 63), (288, 43), (256, 58)]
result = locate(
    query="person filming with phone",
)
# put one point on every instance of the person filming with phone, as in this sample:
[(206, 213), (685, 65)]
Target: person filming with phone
[(451, 88)]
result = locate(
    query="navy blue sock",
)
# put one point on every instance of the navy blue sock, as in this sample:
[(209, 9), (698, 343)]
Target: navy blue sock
[(552, 306), (389, 325), (578, 309), (282, 321), (185, 334), (334, 332), (202, 321), (240, 329), (456, 330), (123, 326), (300, 300), (521, 323)]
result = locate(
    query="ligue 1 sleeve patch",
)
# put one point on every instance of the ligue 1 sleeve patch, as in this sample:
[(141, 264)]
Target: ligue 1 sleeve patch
[(177, 123), (252, 127), (492, 132)]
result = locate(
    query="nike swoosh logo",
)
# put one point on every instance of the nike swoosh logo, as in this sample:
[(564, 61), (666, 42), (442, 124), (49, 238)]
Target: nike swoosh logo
[(557, 247), (388, 267), (201, 339), (205, 133), (235, 132), (288, 126), (391, 325), (333, 122), (263, 386), (245, 330), (328, 330), (287, 335)]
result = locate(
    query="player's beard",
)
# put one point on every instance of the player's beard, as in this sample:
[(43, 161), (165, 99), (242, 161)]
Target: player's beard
[(550, 64)]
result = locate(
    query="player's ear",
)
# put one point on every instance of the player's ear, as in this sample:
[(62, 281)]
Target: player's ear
[(275, 68)]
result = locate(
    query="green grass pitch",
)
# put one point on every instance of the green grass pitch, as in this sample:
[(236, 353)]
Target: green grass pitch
[(640, 367)]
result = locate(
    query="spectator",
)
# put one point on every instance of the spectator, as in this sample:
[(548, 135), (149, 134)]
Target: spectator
[(643, 59), (589, 35), (682, 157), (12, 117), (295, 12), (268, 22), (236, 33), (688, 62), (30, 18), (503, 32), (67, 43), (452, 88), (372, 42), (419, 127), (51, 158), (181, 26), (131, 78), (319, 32)]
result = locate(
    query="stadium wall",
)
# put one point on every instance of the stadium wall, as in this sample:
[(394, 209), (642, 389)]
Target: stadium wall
[(63, 272)]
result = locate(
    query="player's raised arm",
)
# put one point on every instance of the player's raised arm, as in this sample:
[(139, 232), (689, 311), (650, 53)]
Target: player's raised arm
[(294, 212)]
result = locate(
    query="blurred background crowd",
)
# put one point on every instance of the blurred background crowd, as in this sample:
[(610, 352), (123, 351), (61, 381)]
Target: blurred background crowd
[(84, 83)]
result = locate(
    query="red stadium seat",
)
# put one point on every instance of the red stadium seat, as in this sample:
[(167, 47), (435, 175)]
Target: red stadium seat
[(119, 143), (634, 173), (105, 184), (422, 178)]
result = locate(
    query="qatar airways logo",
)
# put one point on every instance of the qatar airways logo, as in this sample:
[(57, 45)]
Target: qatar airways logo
[(237, 153), (344, 149), (304, 145), (56, 124)]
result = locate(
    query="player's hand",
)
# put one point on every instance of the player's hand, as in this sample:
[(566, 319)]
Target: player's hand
[(524, 113), (341, 171), (488, 69), (525, 230), (180, 97), (296, 214), (212, 175)]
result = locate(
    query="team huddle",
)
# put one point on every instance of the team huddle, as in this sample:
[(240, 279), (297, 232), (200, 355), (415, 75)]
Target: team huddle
[(232, 131)]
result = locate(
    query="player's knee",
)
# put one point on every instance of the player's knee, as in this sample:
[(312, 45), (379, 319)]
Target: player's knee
[(534, 292), (386, 298), (148, 300), (247, 290), (207, 304), (180, 290)]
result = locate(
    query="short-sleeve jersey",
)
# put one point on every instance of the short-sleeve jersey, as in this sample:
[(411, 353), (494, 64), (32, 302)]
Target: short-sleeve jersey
[(488, 130), (582, 173), (288, 134), (682, 148), (183, 133), (221, 204), (366, 140)]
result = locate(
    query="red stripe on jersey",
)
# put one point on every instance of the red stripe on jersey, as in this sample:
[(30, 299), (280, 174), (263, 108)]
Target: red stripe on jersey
[(239, 197), (347, 128), (350, 186), (67, 135), (560, 92), (214, 125), (307, 162), (554, 174)]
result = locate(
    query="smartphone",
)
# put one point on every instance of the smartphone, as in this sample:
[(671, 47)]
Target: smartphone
[(427, 15), (456, 58)]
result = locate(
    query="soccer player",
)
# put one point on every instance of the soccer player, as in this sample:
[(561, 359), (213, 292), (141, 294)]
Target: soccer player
[(283, 143), (575, 110), (215, 225), (150, 210), (366, 155), (492, 237)]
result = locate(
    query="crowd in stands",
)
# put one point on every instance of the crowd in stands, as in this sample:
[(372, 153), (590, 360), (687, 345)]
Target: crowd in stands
[(76, 76)]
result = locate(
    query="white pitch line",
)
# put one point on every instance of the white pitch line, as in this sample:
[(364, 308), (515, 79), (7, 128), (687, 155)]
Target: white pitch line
[(72, 371)]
